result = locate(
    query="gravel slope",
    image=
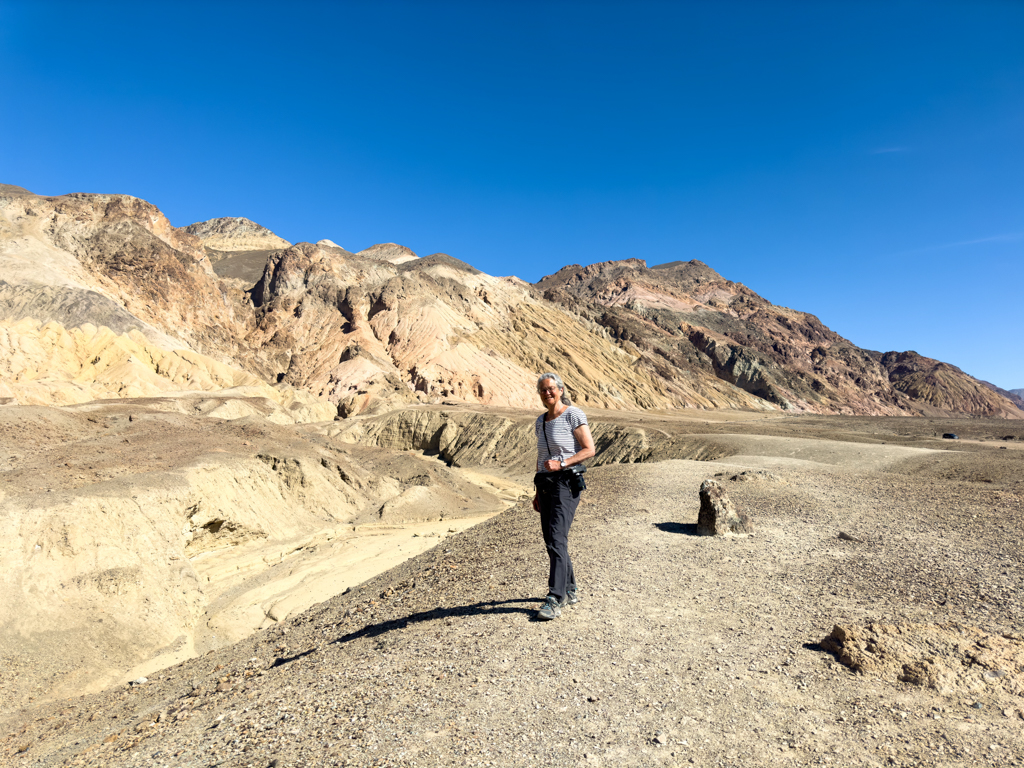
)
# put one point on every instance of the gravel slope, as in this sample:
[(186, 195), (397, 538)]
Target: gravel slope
[(685, 649)]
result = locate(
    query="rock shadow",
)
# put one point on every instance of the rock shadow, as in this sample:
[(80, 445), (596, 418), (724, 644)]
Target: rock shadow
[(281, 661), (475, 609), (687, 529)]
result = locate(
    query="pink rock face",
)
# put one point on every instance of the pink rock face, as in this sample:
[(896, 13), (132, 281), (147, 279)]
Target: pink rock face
[(718, 515)]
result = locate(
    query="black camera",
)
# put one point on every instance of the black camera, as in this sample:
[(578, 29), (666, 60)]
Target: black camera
[(576, 481)]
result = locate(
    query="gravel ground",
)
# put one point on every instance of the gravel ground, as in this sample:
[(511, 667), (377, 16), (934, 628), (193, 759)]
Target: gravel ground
[(685, 649)]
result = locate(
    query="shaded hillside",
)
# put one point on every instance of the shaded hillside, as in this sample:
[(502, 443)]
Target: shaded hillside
[(691, 319)]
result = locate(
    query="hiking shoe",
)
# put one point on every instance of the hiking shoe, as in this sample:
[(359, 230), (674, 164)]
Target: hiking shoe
[(551, 609), (572, 597)]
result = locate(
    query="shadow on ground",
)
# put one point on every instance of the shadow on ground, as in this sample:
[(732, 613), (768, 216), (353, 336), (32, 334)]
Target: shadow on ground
[(476, 609), (687, 529)]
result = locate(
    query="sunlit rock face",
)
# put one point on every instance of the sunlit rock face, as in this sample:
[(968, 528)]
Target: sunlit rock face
[(367, 332), (383, 327), (235, 234)]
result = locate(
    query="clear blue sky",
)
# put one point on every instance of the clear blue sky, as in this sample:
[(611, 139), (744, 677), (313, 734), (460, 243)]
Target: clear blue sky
[(860, 161)]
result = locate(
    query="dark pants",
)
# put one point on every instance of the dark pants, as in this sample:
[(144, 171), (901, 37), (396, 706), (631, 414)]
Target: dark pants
[(557, 509)]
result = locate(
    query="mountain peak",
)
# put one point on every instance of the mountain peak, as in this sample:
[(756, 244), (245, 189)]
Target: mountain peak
[(11, 189), (392, 252), (236, 233)]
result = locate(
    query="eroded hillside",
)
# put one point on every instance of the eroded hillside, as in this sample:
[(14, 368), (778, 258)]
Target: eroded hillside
[(383, 328), (690, 318), (141, 532)]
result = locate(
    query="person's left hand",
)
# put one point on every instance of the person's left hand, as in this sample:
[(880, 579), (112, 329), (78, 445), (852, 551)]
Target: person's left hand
[(552, 465)]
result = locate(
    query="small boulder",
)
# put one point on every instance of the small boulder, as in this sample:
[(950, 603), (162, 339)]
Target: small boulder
[(718, 516)]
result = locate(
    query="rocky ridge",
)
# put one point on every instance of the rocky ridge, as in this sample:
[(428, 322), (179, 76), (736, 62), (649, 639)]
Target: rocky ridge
[(691, 319), (364, 333), (390, 252), (235, 234), (1015, 395), (384, 328)]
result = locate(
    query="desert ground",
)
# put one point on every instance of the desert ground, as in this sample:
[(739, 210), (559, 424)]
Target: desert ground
[(374, 605)]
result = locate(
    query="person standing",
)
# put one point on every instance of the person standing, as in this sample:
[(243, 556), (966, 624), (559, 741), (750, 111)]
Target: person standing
[(563, 440)]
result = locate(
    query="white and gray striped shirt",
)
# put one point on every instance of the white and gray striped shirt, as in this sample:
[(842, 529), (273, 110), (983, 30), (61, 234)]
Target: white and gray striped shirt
[(559, 436)]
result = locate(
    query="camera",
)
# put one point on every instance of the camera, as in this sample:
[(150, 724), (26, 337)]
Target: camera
[(576, 481)]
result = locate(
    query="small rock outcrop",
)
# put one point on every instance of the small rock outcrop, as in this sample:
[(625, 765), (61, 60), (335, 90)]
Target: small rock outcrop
[(950, 658), (718, 516)]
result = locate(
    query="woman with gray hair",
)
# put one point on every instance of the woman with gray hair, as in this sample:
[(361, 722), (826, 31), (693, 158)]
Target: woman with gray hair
[(563, 441)]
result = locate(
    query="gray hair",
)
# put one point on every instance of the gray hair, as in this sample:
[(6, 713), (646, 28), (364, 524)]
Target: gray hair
[(558, 383)]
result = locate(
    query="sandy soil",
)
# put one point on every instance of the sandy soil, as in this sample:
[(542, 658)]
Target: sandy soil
[(685, 649)]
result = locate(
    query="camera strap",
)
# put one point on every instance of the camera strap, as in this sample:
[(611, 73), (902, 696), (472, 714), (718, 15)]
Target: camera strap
[(544, 427)]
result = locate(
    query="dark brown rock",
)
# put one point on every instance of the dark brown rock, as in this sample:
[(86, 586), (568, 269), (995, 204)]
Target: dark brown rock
[(718, 516), (941, 385)]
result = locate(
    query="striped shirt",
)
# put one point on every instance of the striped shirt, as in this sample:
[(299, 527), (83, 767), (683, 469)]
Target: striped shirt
[(559, 434)]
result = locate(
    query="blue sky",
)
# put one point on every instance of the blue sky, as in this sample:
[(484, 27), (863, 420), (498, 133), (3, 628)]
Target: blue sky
[(860, 161)]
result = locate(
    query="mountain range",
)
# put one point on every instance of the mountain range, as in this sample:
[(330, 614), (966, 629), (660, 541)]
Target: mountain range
[(101, 296)]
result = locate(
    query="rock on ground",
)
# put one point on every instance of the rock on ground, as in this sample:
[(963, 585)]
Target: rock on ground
[(718, 515)]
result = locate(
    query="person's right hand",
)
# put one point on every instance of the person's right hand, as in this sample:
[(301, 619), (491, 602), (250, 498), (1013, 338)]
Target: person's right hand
[(536, 504)]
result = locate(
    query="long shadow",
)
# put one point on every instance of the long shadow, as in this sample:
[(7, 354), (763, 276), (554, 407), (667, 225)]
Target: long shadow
[(289, 659), (687, 529), (476, 609)]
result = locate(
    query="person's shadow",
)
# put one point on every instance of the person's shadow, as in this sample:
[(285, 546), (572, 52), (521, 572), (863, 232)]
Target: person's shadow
[(490, 608), (687, 529)]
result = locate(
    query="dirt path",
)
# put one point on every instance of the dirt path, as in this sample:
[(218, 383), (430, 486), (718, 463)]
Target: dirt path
[(685, 649)]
